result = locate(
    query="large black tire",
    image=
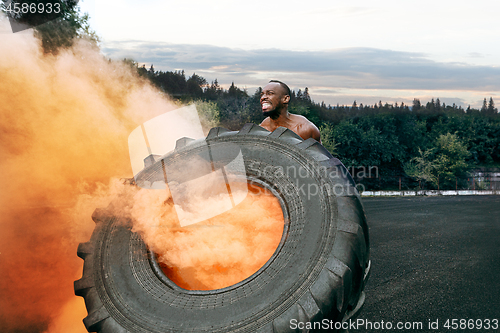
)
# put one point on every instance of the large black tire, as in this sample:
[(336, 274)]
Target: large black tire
[(318, 271)]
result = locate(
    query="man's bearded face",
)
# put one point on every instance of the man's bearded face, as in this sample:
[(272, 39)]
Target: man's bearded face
[(271, 100)]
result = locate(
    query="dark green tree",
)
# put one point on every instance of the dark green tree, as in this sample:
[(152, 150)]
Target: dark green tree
[(57, 31), (300, 96), (173, 83), (142, 71), (213, 92), (491, 110), (195, 85), (354, 106), (306, 97), (484, 108), (416, 105)]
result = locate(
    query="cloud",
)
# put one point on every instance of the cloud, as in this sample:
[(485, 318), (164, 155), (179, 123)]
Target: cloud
[(475, 55), (355, 68)]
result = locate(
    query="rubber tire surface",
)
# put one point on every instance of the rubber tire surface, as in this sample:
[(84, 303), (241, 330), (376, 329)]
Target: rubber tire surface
[(316, 272)]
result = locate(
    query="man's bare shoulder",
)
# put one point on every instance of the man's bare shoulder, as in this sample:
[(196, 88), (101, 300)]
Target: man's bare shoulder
[(266, 123), (298, 119), (306, 128)]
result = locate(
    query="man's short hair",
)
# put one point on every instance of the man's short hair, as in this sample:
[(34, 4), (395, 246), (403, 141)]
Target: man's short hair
[(287, 89)]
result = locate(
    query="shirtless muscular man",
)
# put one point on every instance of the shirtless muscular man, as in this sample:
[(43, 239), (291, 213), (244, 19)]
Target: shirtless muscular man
[(274, 100)]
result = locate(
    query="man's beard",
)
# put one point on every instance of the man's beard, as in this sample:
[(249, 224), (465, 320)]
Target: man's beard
[(274, 113)]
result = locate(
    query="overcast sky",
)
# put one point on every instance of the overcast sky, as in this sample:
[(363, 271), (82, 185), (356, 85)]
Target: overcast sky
[(342, 50)]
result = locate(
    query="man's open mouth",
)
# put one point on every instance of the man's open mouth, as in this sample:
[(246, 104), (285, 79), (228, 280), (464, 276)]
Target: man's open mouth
[(266, 105)]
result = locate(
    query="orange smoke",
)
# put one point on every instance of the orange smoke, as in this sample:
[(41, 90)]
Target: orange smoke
[(64, 123), (215, 253)]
